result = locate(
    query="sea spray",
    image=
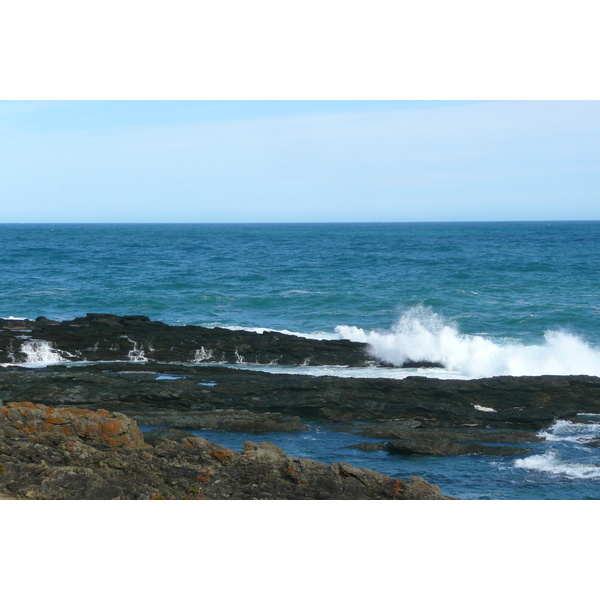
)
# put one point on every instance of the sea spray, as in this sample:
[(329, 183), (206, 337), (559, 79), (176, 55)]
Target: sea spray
[(202, 355), (422, 335), (40, 352)]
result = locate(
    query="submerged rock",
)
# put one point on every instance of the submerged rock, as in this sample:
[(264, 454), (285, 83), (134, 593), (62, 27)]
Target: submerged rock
[(463, 435), (444, 447), (446, 441)]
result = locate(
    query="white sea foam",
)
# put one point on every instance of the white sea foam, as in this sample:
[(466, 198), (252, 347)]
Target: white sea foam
[(137, 353), (567, 431), (41, 352), (202, 355), (549, 462), (348, 372), (422, 335)]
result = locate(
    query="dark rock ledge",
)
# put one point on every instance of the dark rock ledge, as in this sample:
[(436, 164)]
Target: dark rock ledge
[(110, 337), (70, 453), (278, 402)]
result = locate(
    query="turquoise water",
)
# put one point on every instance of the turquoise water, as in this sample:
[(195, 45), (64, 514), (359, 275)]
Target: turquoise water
[(482, 298), (503, 280)]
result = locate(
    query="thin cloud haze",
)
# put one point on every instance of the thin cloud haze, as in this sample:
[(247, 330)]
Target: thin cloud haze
[(472, 161)]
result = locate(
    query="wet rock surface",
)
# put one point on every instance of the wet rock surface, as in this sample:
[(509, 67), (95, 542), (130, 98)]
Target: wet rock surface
[(110, 337), (56, 464), (144, 391), (445, 441), (437, 445)]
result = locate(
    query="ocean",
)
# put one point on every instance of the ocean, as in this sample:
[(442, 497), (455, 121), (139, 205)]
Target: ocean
[(484, 299)]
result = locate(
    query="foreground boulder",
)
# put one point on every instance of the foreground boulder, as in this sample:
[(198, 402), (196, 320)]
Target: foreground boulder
[(41, 460), (113, 429)]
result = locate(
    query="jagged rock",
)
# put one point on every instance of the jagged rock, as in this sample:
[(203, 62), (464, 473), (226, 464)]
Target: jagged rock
[(112, 429), (161, 435), (48, 464)]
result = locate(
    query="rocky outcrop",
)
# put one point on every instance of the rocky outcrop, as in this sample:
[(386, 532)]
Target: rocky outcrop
[(40, 462), (110, 337), (112, 429)]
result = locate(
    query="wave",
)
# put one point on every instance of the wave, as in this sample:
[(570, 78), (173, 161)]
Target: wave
[(567, 431), (549, 462), (302, 293), (422, 335)]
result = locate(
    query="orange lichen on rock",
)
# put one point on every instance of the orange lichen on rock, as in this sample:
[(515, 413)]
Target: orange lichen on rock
[(114, 429), (224, 455)]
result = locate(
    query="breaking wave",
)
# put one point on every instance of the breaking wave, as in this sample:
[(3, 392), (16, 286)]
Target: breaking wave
[(567, 431), (550, 462), (422, 335)]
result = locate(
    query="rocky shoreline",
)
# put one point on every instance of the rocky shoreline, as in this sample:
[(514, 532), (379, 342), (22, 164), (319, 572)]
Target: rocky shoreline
[(75, 454), (412, 416)]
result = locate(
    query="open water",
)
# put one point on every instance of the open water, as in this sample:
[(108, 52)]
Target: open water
[(484, 299)]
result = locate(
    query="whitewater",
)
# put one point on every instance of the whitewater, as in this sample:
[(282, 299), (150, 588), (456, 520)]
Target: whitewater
[(421, 334)]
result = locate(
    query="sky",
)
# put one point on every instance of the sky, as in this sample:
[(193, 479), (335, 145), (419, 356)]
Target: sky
[(298, 161)]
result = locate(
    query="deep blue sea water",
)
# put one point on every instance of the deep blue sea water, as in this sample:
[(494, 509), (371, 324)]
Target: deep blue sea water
[(483, 298)]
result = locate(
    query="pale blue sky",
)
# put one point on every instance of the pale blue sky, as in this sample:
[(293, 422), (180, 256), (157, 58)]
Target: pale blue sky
[(298, 161)]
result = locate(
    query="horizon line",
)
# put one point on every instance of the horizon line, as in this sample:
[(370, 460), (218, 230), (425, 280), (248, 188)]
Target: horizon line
[(296, 222)]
